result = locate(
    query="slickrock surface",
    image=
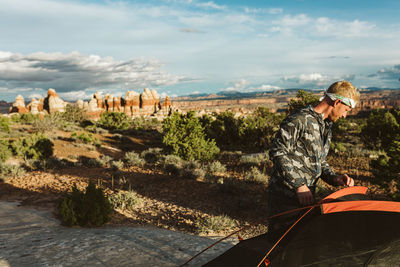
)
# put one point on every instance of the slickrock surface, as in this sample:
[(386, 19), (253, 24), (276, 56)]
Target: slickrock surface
[(30, 237)]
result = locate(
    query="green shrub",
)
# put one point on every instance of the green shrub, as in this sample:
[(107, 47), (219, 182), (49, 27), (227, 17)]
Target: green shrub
[(5, 151), (172, 164), (91, 208), (381, 128), (48, 122), (74, 114), (95, 129), (45, 164), (382, 131), (90, 162), (11, 170), (146, 124), (213, 224), (216, 167), (4, 124), (117, 165), (225, 129), (25, 118), (105, 160), (125, 200), (251, 160), (35, 146), (184, 136), (338, 147), (255, 175), (192, 170), (152, 155), (133, 159), (86, 138), (114, 121), (230, 155), (257, 130), (303, 99)]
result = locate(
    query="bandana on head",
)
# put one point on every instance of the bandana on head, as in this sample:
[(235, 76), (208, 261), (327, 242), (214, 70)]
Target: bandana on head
[(345, 100)]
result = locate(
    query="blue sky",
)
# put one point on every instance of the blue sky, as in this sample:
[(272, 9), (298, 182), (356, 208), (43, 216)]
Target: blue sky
[(181, 47)]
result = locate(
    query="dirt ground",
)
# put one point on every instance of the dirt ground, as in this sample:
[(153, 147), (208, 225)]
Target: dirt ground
[(168, 202)]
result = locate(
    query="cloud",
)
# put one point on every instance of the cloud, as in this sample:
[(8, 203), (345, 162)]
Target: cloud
[(190, 30), (211, 5), (239, 85), (75, 95), (316, 80), (243, 85), (77, 72), (288, 23), (328, 27), (304, 25), (392, 72), (309, 80), (389, 76), (267, 87), (271, 11), (335, 57)]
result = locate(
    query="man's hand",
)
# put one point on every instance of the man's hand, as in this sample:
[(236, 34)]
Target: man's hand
[(343, 180), (305, 196)]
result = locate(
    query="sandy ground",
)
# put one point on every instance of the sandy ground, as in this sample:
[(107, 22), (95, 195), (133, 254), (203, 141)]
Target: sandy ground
[(32, 237)]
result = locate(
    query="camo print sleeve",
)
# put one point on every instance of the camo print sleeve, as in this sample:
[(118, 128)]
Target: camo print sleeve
[(327, 173), (283, 153)]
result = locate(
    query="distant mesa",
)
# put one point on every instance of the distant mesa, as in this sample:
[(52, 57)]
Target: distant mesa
[(148, 103), (133, 104)]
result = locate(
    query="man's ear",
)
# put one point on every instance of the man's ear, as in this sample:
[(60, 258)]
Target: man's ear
[(337, 102)]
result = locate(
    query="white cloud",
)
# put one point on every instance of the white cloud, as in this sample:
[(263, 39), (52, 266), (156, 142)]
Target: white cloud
[(271, 11), (288, 23), (76, 72), (237, 86), (356, 28), (75, 95), (210, 4), (268, 87), (310, 80), (35, 95)]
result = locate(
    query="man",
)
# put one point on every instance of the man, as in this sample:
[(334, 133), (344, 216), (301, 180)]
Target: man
[(299, 154)]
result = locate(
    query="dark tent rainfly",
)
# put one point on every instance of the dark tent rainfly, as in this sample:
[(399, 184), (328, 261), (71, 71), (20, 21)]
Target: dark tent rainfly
[(347, 229)]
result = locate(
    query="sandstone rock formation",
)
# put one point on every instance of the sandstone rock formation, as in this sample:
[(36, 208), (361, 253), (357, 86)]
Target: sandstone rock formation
[(132, 103), (92, 106), (156, 98), (80, 103), (99, 98), (53, 103), (117, 104), (19, 105), (33, 107), (166, 107), (147, 102), (109, 103)]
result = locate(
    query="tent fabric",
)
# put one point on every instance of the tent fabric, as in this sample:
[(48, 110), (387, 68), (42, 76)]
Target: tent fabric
[(352, 190), (388, 206), (357, 233)]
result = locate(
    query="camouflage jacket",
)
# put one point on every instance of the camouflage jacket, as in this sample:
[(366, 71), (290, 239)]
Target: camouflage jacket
[(299, 152)]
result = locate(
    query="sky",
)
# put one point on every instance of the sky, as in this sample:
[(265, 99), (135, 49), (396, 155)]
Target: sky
[(182, 47)]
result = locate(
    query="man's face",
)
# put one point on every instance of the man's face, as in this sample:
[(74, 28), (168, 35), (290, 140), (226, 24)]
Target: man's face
[(339, 111)]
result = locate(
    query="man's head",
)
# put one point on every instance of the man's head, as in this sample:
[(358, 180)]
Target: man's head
[(342, 96)]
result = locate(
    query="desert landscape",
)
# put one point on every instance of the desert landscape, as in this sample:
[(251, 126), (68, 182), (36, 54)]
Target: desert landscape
[(137, 133), (149, 184)]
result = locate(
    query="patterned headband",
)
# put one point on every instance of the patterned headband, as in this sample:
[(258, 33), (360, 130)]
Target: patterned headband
[(345, 100)]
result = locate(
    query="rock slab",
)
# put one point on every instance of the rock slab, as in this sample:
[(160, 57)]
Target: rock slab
[(29, 237)]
